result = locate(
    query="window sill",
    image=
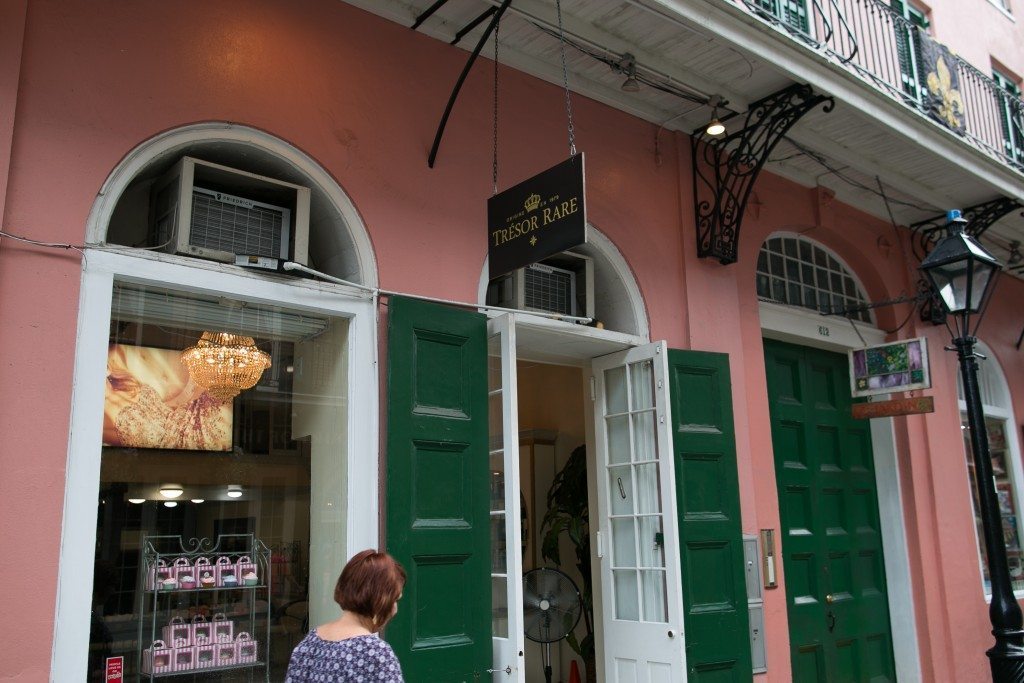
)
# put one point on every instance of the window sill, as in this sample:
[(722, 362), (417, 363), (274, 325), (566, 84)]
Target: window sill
[(1003, 10)]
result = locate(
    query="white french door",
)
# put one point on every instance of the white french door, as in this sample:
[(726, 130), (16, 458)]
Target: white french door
[(506, 558), (638, 548)]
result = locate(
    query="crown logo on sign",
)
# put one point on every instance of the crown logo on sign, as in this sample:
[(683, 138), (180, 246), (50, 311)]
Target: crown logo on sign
[(532, 202)]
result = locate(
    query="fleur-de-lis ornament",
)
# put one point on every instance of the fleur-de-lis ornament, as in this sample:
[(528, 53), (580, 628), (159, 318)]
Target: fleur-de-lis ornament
[(940, 84)]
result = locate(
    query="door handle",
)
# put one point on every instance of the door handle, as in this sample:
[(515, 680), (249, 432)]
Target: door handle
[(829, 599), (831, 621), (507, 670)]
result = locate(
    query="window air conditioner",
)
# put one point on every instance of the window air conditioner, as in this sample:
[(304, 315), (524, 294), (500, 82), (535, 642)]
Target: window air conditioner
[(562, 284), (215, 212)]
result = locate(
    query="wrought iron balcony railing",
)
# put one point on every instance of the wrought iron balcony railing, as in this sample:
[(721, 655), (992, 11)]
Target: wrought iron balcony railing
[(887, 44)]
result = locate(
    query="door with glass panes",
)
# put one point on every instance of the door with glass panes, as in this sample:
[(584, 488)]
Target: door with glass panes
[(641, 605), (453, 513)]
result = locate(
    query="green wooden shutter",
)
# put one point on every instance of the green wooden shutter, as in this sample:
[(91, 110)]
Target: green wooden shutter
[(707, 493), (437, 490)]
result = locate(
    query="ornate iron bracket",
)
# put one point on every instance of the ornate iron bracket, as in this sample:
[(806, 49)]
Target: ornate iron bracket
[(725, 168), (926, 234), (980, 218)]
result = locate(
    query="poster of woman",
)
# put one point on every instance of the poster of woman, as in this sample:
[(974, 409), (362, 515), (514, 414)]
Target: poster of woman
[(151, 402)]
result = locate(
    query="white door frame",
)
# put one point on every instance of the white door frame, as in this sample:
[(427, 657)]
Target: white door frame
[(508, 663), (100, 269), (807, 328)]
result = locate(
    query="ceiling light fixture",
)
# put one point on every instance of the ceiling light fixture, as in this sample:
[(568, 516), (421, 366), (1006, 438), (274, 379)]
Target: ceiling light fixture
[(136, 501), (170, 503), (171, 490), (197, 501), (234, 491), (225, 364), (715, 126), (627, 65)]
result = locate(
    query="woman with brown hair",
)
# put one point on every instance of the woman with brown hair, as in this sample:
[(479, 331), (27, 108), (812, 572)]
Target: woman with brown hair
[(348, 649)]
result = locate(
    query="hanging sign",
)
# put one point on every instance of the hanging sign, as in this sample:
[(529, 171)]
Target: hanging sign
[(537, 218), (888, 368), (898, 406), (942, 100)]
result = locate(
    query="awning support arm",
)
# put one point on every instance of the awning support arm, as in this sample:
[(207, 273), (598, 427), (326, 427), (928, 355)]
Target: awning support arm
[(462, 78)]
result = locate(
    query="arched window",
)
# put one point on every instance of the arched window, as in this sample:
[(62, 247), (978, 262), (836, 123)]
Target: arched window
[(1004, 450), (797, 271), (218, 405)]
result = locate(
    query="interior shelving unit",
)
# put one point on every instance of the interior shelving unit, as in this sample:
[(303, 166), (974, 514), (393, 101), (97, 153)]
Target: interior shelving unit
[(158, 605)]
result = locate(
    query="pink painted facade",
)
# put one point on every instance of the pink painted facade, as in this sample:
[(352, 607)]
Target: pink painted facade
[(361, 96)]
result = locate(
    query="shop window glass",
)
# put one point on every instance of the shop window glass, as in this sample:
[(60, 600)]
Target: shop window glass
[(254, 485), (1004, 452), (799, 272)]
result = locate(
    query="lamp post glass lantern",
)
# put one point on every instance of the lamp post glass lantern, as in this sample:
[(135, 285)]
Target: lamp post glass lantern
[(963, 274)]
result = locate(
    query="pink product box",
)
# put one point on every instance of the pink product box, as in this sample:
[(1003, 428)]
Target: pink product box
[(157, 658), (177, 631), (158, 574), (201, 629), (206, 575), (223, 629), (247, 574), (245, 649), (224, 653), (184, 657), (184, 574), (206, 654), (227, 573)]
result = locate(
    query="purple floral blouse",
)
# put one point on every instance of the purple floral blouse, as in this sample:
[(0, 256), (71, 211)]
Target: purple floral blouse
[(353, 660)]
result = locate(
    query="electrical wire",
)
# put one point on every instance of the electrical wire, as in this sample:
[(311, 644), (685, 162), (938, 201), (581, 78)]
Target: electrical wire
[(838, 172), (614, 63), (80, 248)]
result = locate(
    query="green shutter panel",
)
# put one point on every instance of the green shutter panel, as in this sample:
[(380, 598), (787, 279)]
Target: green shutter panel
[(707, 494), (437, 490)]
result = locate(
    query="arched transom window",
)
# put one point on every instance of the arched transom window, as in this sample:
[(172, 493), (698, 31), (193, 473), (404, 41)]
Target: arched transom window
[(797, 271)]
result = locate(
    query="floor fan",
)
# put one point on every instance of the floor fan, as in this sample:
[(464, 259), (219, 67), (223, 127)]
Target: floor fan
[(551, 609)]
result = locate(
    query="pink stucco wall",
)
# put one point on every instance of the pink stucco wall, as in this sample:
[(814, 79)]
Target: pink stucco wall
[(980, 32), (362, 96)]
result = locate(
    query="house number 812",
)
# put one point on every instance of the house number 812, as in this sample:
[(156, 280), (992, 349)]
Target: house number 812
[(822, 331)]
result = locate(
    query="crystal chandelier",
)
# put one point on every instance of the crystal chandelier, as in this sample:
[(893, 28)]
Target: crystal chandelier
[(225, 364)]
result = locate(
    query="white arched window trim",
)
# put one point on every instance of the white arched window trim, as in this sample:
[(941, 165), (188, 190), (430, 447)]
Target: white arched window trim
[(996, 405)]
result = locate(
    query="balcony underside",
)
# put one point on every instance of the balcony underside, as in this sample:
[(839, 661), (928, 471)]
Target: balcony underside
[(686, 51)]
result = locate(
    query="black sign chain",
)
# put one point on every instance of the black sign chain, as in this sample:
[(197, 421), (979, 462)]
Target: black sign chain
[(565, 80), (494, 169)]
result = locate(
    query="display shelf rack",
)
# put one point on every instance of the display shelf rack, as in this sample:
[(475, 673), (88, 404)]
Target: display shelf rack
[(153, 604)]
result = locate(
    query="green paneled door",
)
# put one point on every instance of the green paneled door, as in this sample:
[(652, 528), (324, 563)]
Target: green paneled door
[(437, 490), (708, 502), (831, 537)]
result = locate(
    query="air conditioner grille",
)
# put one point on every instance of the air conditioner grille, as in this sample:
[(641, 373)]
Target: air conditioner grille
[(550, 289), (224, 226)]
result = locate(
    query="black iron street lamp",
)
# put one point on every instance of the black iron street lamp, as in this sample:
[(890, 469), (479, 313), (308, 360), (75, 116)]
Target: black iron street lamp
[(963, 274)]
